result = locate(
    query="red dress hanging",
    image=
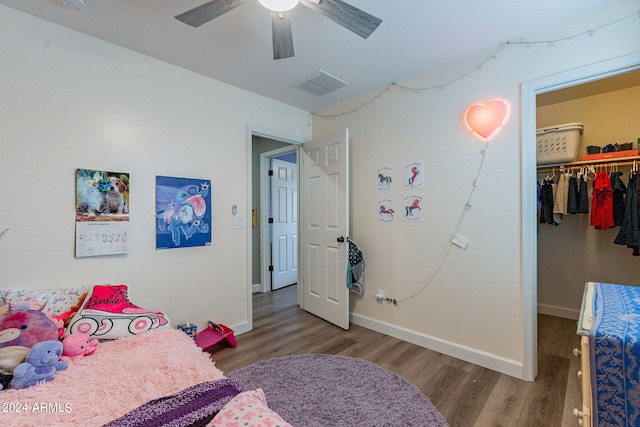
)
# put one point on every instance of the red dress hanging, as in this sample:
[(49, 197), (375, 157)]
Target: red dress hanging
[(602, 202)]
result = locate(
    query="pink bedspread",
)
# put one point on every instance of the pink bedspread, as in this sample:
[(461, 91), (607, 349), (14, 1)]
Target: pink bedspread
[(120, 376)]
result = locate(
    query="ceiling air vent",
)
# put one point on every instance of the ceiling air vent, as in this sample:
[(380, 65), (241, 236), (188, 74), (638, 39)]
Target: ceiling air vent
[(319, 83)]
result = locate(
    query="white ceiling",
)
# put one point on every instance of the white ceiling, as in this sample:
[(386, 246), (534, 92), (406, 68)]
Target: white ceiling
[(414, 37)]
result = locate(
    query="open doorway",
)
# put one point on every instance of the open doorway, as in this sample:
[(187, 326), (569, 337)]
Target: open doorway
[(530, 91), (324, 183), (259, 140), (279, 217), (605, 111), (264, 149)]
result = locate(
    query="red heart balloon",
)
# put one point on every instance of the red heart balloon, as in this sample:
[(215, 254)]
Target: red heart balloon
[(486, 119)]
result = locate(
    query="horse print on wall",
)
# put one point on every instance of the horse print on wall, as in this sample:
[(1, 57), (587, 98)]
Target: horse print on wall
[(386, 210), (413, 175), (384, 180), (413, 208)]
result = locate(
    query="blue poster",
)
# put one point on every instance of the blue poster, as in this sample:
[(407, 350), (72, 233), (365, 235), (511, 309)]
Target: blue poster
[(183, 212)]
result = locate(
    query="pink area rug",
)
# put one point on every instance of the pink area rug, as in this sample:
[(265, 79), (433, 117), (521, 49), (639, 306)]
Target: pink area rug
[(120, 376)]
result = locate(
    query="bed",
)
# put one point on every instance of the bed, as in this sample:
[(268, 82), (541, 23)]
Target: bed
[(152, 378), (609, 326)]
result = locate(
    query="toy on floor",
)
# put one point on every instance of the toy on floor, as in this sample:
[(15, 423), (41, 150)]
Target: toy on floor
[(189, 328), (213, 334), (40, 365), (26, 328), (78, 345)]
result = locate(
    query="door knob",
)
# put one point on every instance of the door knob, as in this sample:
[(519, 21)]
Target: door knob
[(340, 239)]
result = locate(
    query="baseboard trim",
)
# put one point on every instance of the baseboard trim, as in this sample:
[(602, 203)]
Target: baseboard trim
[(552, 310), (256, 287), (505, 366), (240, 328)]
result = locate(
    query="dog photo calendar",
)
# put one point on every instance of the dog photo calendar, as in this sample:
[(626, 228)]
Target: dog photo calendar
[(102, 213)]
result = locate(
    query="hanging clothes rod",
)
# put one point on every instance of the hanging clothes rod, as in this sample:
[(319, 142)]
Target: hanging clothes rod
[(579, 165)]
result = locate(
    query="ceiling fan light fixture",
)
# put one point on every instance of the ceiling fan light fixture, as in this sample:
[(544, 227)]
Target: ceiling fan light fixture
[(279, 5)]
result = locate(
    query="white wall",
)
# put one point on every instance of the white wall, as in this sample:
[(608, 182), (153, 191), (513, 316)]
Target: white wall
[(473, 308), (70, 101)]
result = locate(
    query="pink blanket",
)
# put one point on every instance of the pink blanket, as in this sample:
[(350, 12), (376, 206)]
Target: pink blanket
[(120, 376)]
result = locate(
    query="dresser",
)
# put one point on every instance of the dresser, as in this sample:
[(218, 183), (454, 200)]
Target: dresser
[(583, 414), (609, 326)]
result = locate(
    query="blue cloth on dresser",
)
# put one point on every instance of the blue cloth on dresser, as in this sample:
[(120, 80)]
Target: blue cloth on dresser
[(615, 349)]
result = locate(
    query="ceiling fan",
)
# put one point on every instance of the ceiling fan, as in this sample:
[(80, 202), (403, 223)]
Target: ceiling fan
[(350, 17)]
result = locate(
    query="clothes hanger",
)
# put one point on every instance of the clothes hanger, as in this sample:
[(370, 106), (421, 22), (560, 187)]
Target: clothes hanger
[(568, 172)]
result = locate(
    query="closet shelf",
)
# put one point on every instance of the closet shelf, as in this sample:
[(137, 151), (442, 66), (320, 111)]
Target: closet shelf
[(619, 161)]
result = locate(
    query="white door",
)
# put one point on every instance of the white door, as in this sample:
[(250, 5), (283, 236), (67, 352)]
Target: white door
[(324, 215), (284, 229)]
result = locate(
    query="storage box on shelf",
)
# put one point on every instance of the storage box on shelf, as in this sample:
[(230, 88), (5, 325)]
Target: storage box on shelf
[(609, 155), (558, 144)]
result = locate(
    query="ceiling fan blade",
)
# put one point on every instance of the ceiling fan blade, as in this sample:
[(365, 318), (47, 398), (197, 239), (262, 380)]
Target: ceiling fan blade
[(350, 17), (208, 11), (282, 36)]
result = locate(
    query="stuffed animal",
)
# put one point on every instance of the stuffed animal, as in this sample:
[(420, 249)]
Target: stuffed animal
[(26, 328), (62, 320), (77, 345), (10, 357), (5, 307), (40, 365)]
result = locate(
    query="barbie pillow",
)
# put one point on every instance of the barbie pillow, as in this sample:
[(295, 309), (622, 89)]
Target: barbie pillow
[(107, 313)]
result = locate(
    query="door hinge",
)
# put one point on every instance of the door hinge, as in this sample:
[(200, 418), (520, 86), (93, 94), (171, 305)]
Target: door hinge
[(271, 268), (270, 220), (270, 172)]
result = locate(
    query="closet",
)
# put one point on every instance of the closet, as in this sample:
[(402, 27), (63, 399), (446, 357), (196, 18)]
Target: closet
[(574, 252)]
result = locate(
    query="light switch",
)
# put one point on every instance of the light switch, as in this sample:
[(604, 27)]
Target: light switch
[(238, 221)]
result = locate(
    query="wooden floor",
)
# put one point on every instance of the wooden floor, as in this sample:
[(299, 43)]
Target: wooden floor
[(466, 394)]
